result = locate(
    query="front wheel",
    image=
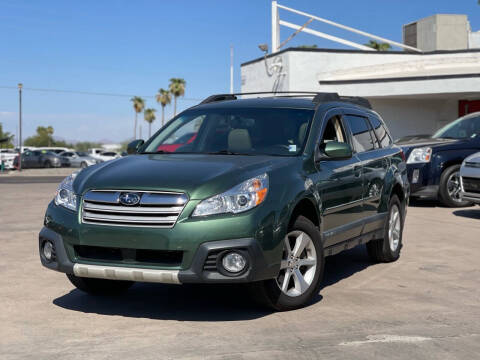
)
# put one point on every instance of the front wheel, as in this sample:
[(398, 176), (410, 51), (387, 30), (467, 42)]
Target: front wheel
[(99, 286), (450, 188), (301, 269)]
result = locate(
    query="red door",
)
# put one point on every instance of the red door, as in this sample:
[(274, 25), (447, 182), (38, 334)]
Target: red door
[(468, 106)]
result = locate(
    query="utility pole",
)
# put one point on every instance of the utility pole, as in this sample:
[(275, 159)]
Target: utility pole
[(20, 85), (231, 69), (275, 28)]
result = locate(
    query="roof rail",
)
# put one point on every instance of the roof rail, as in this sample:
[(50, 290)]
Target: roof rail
[(318, 97), (219, 97)]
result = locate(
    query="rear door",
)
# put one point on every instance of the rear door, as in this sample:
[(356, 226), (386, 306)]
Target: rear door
[(375, 164), (340, 186)]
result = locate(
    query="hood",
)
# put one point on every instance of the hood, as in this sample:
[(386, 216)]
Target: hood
[(422, 140), (197, 175), (475, 158), (408, 143)]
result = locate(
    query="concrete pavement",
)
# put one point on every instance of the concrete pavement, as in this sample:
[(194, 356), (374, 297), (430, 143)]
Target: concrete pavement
[(425, 306)]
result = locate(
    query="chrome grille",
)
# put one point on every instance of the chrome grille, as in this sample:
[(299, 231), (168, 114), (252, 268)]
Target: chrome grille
[(155, 209)]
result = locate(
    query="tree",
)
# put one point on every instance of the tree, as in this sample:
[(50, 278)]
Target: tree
[(138, 106), (149, 115), (44, 137), (85, 145), (7, 137), (378, 46), (164, 98), (308, 46), (177, 88)]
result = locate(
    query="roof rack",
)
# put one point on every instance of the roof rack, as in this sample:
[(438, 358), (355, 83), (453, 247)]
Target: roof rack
[(318, 97), (219, 97)]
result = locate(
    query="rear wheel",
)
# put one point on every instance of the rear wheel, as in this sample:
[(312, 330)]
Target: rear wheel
[(450, 188), (388, 248), (301, 269), (99, 286)]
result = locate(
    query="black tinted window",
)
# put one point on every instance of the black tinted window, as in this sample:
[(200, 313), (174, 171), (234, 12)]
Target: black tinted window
[(362, 140), (380, 131)]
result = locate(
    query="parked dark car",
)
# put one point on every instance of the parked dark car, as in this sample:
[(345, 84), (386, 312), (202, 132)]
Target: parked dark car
[(434, 161), (41, 159), (264, 192)]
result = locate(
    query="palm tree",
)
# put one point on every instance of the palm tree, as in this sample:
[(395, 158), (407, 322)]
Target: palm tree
[(138, 106), (177, 88), (378, 46), (149, 115), (164, 98)]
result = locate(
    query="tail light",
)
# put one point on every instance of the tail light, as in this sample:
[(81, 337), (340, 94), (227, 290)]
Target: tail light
[(402, 154)]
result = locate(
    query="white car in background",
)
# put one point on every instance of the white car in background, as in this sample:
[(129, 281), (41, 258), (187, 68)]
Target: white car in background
[(7, 156), (108, 155), (79, 159), (470, 178)]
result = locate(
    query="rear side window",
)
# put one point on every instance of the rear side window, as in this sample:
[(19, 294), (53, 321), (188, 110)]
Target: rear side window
[(380, 131), (361, 137)]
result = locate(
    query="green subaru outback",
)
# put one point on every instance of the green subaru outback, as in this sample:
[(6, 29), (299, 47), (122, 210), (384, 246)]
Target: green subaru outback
[(256, 190)]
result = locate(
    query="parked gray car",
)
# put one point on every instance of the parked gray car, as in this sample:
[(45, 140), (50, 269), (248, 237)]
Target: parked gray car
[(41, 159), (470, 178), (79, 158)]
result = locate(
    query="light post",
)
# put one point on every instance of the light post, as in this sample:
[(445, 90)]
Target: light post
[(20, 85)]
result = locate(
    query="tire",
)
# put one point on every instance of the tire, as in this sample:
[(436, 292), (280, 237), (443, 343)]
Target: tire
[(269, 293), (99, 286), (83, 165), (388, 249), (449, 191), (47, 164)]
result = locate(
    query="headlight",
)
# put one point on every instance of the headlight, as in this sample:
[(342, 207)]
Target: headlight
[(243, 197), (420, 155), (64, 195)]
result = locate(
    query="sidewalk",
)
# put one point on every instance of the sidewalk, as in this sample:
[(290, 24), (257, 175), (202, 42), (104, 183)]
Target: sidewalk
[(39, 172)]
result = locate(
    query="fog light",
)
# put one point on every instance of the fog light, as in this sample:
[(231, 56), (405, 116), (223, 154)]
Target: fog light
[(234, 262), (48, 251), (415, 176)]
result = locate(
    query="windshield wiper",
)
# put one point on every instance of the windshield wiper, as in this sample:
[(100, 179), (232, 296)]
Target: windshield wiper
[(227, 152)]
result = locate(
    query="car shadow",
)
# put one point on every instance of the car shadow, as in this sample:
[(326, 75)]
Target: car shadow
[(473, 213), (414, 202), (203, 302)]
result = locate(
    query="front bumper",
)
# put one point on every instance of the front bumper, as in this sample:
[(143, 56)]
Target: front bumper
[(208, 253), (422, 184)]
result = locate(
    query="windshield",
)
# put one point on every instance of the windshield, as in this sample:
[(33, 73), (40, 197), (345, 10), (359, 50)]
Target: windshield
[(234, 131), (462, 128)]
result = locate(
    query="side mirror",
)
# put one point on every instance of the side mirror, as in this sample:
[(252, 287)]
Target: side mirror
[(132, 148), (335, 150)]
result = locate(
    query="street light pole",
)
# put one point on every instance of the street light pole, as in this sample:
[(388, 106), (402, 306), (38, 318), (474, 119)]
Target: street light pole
[(231, 69), (20, 85)]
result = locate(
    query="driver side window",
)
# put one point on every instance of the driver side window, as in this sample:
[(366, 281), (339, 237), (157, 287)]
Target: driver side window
[(334, 131)]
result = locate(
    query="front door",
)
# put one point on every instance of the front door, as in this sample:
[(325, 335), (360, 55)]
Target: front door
[(340, 186)]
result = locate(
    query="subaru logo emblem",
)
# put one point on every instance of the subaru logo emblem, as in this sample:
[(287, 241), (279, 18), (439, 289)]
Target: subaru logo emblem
[(129, 199)]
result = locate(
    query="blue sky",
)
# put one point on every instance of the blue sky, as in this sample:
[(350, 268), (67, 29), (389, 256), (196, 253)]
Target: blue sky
[(135, 47)]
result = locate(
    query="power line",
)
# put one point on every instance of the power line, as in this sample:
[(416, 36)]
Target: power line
[(90, 93)]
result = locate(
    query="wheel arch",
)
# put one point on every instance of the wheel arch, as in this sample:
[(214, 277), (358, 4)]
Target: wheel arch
[(305, 207)]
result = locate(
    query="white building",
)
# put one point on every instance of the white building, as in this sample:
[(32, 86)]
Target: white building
[(416, 92)]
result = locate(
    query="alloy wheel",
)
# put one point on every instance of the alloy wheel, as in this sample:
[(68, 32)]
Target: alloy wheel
[(394, 228), (299, 263), (453, 186)]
